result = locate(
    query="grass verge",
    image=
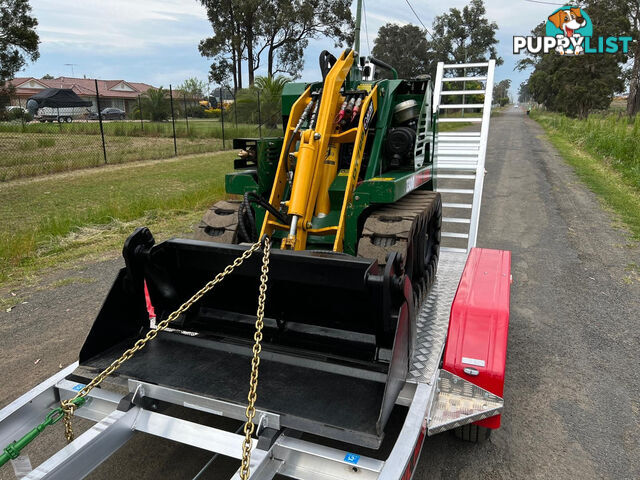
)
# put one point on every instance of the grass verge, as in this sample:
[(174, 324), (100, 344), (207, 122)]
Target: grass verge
[(617, 190), (614, 138), (68, 216)]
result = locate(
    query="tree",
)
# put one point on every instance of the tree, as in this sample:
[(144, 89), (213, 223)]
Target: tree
[(193, 89), (155, 104), (18, 42), (501, 90), (576, 85), (278, 29), (633, 102), (47, 77), (524, 95), (404, 47), (269, 90), (226, 47), (465, 36), (618, 18), (288, 25), (270, 99)]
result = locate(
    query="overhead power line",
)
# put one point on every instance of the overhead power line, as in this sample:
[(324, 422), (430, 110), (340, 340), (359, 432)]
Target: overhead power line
[(366, 29), (419, 20)]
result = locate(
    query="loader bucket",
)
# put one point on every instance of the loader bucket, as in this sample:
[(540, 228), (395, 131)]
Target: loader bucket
[(335, 343)]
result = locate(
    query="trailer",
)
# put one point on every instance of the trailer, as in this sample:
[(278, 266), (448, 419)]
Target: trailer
[(45, 106), (320, 413)]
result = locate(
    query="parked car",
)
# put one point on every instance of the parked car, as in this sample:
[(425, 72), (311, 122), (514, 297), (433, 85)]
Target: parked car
[(109, 113)]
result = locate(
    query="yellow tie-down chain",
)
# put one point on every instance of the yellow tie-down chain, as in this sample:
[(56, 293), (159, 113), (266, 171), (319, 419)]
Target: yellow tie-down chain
[(69, 406)]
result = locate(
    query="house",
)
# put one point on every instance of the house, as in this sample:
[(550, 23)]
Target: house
[(113, 93)]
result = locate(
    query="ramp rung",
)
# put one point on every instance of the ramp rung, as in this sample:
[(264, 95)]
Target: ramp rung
[(456, 205), (464, 79), (465, 65), (454, 235), (448, 141), (465, 191), (460, 120), (468, 148), (453, 250), (458, 134), (469, 153), (459, 176), (462, 105), (463, 92), (456, 220), (456, 144), (457, 166)]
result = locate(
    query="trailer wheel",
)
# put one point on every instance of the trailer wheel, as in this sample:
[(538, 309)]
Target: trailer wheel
[(68, 119), (472, 433)]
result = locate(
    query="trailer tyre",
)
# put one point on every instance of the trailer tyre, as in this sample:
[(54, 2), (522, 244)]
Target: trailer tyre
[(472, 433)]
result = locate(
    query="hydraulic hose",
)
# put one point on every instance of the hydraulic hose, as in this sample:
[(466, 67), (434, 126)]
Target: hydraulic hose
[(255, 198)]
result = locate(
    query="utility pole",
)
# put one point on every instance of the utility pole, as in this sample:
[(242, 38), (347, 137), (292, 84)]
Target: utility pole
[(356, 73)]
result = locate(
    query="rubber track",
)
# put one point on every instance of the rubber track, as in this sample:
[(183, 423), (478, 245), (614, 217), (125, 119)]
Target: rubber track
[(396, 227), (219, 223)]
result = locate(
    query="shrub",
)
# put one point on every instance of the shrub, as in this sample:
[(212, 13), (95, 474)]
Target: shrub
[(195, 111), (213, 113)]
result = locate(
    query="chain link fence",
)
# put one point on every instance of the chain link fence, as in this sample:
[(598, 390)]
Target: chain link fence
[(160, 127)]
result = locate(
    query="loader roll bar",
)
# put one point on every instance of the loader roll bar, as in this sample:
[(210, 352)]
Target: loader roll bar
[(386, 66)]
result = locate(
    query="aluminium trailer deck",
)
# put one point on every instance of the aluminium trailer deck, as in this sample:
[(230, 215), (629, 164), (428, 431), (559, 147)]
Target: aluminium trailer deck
[(436, 399)]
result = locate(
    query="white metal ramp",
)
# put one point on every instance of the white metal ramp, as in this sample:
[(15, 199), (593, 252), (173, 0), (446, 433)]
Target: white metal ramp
[(460, 155)]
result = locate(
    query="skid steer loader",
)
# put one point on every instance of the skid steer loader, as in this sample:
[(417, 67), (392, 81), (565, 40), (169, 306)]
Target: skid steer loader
[(354, 318)]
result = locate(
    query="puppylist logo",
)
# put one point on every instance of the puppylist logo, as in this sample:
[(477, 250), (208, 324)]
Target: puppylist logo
[(569, 31)]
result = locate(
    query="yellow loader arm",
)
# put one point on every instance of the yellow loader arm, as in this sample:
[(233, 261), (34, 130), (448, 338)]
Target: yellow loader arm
[(316, 160)]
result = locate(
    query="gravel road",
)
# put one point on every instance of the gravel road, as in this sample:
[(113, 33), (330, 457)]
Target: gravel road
[(572, 394)]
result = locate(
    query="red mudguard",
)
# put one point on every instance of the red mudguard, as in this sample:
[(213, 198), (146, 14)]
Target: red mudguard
[(476, 348)]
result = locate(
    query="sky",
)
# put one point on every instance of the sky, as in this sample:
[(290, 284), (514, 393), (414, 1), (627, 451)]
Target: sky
[(156, 41)]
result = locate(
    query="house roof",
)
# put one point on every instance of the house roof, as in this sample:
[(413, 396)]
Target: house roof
[(81, 86)]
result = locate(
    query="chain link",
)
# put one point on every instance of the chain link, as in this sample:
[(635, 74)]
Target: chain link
[(68, 406), (255, 363)]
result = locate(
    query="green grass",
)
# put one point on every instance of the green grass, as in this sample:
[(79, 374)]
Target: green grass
[(43, 148), (45, 218), (608, 168), (38, 154), (613, 138)]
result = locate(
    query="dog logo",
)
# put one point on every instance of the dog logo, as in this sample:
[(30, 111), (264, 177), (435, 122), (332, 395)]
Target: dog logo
[(568, 24), (569, 31)]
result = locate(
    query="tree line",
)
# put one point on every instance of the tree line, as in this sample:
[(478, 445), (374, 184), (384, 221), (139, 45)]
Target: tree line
[(456, 36)]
